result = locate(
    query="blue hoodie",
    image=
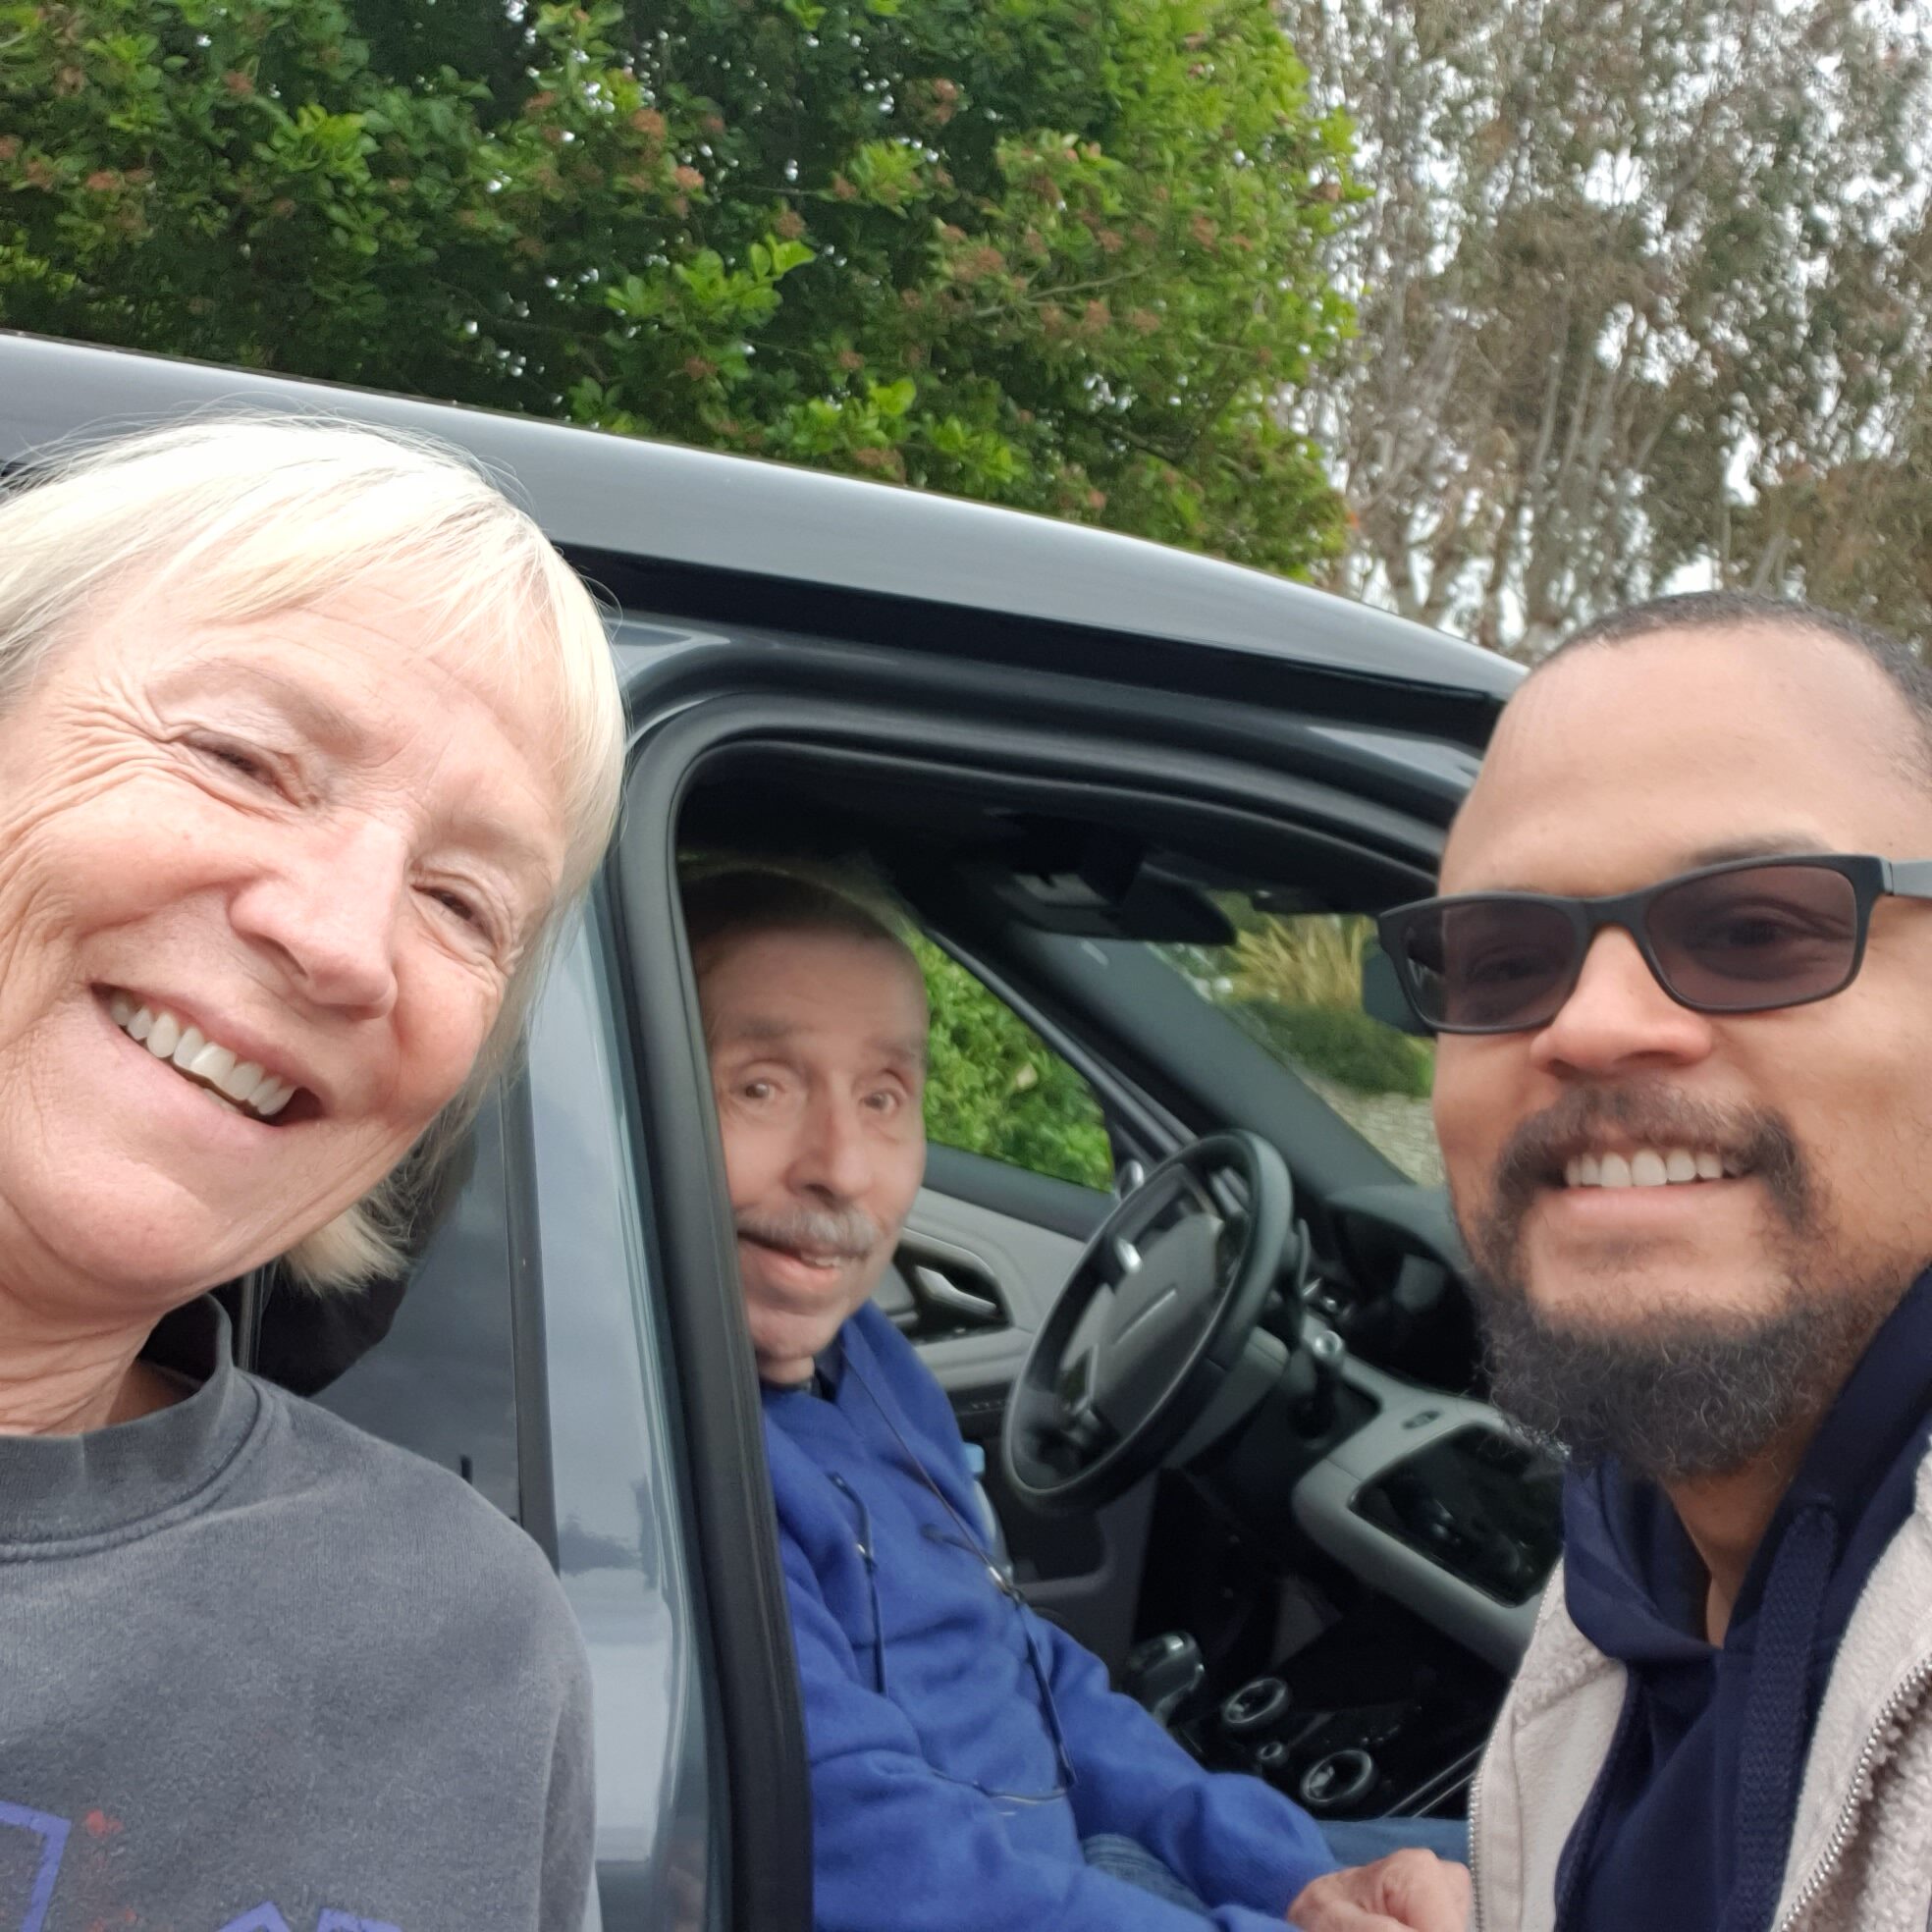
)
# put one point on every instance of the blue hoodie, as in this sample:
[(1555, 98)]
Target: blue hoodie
[(1690, 1824), (910, 1750)]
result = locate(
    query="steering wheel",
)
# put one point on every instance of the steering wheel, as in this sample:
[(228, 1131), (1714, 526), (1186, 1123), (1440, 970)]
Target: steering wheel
[(1187, 1262)]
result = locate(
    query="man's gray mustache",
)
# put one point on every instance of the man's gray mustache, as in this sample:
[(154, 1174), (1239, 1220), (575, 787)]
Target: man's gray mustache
[(849, 1234)]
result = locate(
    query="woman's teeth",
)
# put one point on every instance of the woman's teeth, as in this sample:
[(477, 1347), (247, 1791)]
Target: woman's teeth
[(240, 1082), (1648, 1167)]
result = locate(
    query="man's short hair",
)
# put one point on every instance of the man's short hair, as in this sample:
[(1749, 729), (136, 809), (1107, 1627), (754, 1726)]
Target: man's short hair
[(732, 902), (1745, 610)]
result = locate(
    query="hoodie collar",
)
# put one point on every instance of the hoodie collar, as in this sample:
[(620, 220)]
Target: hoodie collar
[(1634, 1583)]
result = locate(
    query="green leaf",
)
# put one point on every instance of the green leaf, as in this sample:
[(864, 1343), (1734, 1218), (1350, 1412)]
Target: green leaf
[(547, 210)]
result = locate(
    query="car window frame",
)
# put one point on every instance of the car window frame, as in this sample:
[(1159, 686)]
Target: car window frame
[(576, 1070)]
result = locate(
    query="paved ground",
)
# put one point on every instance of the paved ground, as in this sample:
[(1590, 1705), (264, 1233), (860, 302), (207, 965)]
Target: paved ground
[(1393, 1122)]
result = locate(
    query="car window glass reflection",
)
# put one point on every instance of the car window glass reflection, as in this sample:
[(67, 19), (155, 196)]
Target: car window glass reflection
[(443, 1381)]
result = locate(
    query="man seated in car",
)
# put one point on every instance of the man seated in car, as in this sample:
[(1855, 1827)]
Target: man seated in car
[(971, 1769)]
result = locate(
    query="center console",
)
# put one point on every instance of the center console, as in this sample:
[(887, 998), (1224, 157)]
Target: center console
[(1360, 1723), (1478, 1504), (1435, 1503), (1443, 1528), (1454, 1524)]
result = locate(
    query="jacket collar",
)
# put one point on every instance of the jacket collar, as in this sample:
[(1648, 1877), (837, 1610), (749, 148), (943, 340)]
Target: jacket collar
[(1882, 1673), (1883, 1665)]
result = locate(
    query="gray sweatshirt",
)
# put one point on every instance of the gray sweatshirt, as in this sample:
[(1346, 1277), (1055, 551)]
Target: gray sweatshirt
[(261, 1673)]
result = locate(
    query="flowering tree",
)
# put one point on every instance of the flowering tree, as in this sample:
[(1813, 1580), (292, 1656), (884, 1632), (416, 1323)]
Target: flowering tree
[(1064, 254)]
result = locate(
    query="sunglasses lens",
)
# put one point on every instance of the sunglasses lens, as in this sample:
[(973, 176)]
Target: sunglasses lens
[(1762, 936), (1480, 965)]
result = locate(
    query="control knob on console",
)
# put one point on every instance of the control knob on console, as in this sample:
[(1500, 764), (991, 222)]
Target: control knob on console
[(1337, 1780), (1252, 1711)]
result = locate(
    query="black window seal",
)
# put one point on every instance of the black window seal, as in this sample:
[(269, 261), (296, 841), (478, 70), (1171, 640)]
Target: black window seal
[(536, 1482)]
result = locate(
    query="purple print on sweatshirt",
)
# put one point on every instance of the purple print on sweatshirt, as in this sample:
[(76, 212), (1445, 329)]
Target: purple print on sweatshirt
[(33, 1845)]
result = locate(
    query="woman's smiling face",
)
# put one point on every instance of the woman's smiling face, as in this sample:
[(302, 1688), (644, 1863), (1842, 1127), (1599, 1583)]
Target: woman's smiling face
[(315, 839)]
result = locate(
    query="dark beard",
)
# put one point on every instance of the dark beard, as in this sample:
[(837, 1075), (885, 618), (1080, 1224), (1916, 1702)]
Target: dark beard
[(1672, 1397), (1682, 1398)]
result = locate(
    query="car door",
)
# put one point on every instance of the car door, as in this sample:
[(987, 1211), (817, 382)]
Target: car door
[(731, 697), (707, 698), (524, 1357)]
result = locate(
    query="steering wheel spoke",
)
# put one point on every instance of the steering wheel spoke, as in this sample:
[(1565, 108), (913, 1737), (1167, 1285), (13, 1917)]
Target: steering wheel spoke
[(1074, 1392), (1120, 1263), (1084, 1438), (1154, 1316)]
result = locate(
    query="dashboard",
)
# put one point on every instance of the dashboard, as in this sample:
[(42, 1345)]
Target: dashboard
[(1419, 1487), (1435, 1502)]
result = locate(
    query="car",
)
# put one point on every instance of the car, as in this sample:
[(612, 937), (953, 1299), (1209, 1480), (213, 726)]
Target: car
[(1128, 795)]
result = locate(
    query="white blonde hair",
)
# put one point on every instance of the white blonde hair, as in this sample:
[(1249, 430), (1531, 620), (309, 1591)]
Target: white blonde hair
[(252, 514)]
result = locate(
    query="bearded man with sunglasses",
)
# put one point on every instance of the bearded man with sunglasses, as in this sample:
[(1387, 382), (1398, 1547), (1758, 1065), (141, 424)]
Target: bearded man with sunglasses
[(971, 1769), (1683, 978)]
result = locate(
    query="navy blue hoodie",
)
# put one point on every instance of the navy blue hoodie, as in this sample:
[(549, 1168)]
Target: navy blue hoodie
[(1690, 1824)]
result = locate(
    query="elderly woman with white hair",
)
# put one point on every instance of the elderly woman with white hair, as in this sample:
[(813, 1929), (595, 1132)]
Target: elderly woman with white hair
[(308, 740)]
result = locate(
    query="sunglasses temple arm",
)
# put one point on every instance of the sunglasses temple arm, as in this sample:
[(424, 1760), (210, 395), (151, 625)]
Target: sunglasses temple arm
[(1909, 878)]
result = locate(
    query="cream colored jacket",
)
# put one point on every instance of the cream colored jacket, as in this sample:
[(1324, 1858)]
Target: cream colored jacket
[(1860, 1854)]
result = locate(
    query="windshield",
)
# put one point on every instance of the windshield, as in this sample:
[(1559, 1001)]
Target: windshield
[(1291, 982)]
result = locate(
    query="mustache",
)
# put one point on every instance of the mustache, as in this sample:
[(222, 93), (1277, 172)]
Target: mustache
[(1653, 1114), (848, 1233)]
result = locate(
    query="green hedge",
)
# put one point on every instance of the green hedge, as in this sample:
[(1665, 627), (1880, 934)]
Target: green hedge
[(1340, 1045), (997, 1088)]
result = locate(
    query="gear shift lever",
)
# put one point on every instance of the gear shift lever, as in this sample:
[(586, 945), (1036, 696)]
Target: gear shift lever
[(1162, 1674), (1325, 1352)]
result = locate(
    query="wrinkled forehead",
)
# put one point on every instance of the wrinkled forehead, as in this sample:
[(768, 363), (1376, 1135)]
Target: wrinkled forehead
[(773, 983), (150, 625), (1622, 763)]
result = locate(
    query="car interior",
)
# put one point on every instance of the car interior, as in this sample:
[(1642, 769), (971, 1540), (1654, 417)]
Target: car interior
[(1231, 1408)]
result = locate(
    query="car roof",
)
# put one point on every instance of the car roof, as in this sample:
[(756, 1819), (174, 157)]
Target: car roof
[(658, 502)]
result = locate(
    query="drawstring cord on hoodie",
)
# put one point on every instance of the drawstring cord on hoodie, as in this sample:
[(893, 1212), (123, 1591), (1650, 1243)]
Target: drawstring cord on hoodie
[(1771, 1743)]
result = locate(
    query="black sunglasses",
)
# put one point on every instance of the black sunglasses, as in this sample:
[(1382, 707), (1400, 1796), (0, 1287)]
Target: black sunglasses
[(1742, 938)]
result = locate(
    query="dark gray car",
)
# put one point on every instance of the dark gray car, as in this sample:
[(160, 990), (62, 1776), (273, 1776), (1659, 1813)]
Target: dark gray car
[(1106, 779)]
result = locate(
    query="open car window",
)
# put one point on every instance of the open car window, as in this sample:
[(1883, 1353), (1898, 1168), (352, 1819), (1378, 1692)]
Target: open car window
[(1291, 982), (995, 1088)]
